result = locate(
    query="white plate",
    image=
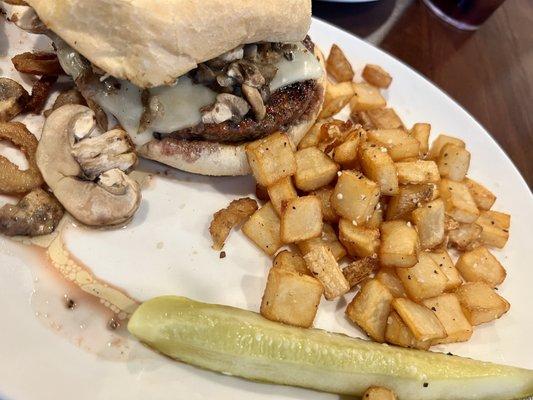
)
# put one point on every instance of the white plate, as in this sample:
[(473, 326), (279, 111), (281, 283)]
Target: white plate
[(165, 250)]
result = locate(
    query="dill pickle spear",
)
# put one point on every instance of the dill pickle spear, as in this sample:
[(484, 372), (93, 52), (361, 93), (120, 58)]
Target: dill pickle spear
[(242, 343)]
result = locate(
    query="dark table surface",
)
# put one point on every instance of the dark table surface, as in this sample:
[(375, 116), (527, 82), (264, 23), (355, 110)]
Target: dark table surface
[(489, 72)]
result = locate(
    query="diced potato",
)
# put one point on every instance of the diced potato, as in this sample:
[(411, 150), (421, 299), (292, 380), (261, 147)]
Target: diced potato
[(377, 76), (338, 66), (370, 309), (385, 118), (399, 244), (399, 334), (453, 162), (355, 196), (271, 158), (377, 217), (378, 393), (479, 265), (458, 201), (465, 236), (483, 197), (290, 261), (291, 298), (367, 97), (314, 169), (399, 143), (421, 131), (423, 324), (329, 238), (313, 136), (358, 270), (445, 263), (388, 277), (379, 167), (495, 228), (481, 303), (324, 195), (424, 279), (337, 96), (440, 142), (359, 241), (281, 192), (420, 171), (263, 228), (362, 118), (408, 199), (322, 264), (333, 133), (448, 310), (301, 219), (346, 153), (429, 221)]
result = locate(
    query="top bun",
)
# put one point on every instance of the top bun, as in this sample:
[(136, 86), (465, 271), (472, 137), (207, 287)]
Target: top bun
[(152, 42)]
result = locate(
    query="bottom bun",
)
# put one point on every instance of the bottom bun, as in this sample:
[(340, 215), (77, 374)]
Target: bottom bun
[(223, 159)]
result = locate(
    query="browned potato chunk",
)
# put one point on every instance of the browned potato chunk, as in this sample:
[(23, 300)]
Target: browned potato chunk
[(329, 238), (301, 219), (377, 217), (362, 118), (291, 298), (479, 265), (423, 324), (367, 97), (322, 264), (420, 171), (399, 143), (314, 169), (271, 158), (281, 192), (313, 136), (290, 261), (359, 241), (483, 197), (465, 236), (324, 195), (409, 197), (337, 96), (385, 118), (495, 228), (445, 263), (429, 222), (481, 303), (378, 393), (370, 309), (355, 197), (399, 244), (453, 162), (379, 167), (424, 279), (346, 153), (421, 131), (261, 192), (338, 65), (448, 310), (377, 76), (357, 271), (458, 201), (440, 142), (399, 334), (388, 277), (263, 228)]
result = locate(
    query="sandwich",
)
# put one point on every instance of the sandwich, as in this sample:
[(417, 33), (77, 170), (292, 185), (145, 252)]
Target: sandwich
[(192, 82)]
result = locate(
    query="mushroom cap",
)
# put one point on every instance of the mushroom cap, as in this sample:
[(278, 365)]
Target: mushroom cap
[(89, 202)]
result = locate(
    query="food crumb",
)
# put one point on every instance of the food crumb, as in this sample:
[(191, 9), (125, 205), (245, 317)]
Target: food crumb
[(222, 254), (159, 245), (425, 384)]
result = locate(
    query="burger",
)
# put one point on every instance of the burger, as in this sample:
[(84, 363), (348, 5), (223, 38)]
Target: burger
[(192, 81)]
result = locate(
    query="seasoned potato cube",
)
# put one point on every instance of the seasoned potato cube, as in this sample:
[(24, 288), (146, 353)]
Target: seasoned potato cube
[(324, 195), (379, 167), (399, 334), (322, 264), (290, 261), (385, 118), (448, 310), (423, 324), (420, 131), (377, 217), (370, 309), (362, 118), (271, 158), (479, 265), (465, 236), (367, 97), (355, 196), (481, 303), (495, 228), (338, 65), (378, 393), (388, 277), (346, 153), (291, 298), (419, 171), (337, 96), (377, 76), (453, 162), (458, 201), (399, 244), (424, 279), (329, 238), (314, 169), (399, 143), (281, 192), (301, 219), (263, 228), (314, 135), (359, 241), (445, 263), (408, 199), (429, 221), (483, 197), (440, 142), (357, 271)]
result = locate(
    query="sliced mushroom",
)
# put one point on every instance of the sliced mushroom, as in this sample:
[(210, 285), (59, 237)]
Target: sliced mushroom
[(252, 74), (227, 57), (255, 99), (204, 75), (38, 213), (25, 17), (227, 107), (13, 99), (72, 96), (95, 203)]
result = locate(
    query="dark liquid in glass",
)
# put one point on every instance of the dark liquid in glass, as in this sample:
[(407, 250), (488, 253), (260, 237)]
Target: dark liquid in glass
[(470, 12)]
